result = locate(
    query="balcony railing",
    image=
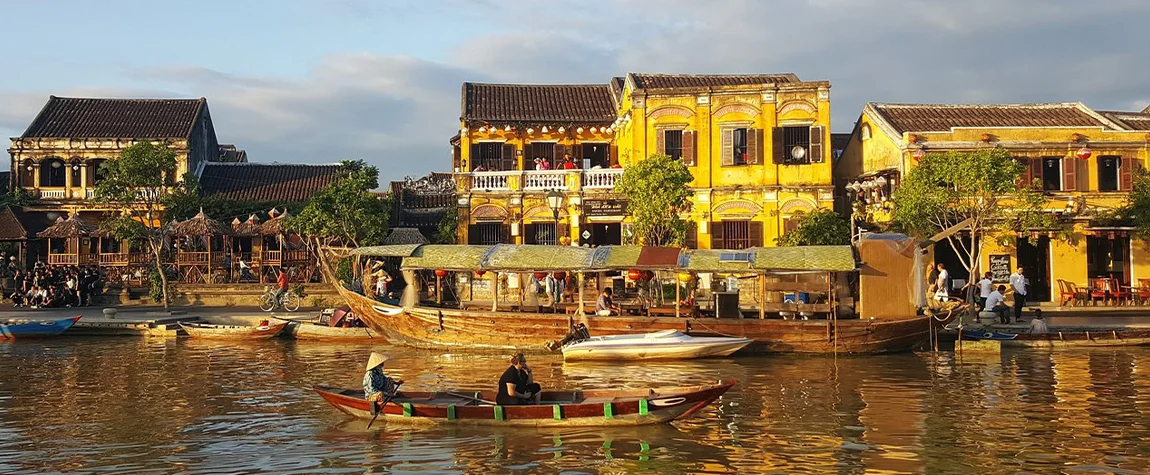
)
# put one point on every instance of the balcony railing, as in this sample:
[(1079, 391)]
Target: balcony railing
[(601, 179), (53, 193), (545, 180), (491, 180), (538, 180)]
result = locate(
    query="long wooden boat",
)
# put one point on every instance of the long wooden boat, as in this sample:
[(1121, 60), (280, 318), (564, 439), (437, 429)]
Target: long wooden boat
[(304, 330), (35, 329), (233, 332), (557, 408), (1072, 339), (666, 344)]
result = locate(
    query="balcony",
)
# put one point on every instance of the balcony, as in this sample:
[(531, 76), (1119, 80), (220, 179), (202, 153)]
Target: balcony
[(545, 179), (539, 180), (53, 193), (601, 179)]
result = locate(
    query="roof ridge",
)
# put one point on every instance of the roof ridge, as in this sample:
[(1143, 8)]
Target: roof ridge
[(237, 164), (132, 99), (468, 83), (944, 105)]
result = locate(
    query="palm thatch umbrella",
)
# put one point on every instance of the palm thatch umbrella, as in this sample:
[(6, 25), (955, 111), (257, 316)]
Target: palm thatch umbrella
[(67, 228), (248, 228), (197, 226)]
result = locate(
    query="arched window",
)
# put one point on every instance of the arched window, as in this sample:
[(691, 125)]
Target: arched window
[(28, 174), (97, 172), (53, 173)]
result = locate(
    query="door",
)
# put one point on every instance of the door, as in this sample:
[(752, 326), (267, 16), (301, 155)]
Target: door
[(945, 254), (596, 155), (1034, 257), (605, 234)]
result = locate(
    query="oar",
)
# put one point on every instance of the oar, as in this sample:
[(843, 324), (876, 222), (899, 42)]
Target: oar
[(384, 404), (473, 398)]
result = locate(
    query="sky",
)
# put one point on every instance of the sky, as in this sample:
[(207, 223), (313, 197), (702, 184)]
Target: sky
[(318, 81)]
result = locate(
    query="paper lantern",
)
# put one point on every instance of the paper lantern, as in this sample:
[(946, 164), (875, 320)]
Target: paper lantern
[(479, 273), (634, 274), (1084, 153), (540, 275), (559, 275), (684, 277), (440, 273), (648, 275), (918, 154)]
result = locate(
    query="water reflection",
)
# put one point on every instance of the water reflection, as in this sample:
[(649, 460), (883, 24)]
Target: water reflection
[(199, 407)]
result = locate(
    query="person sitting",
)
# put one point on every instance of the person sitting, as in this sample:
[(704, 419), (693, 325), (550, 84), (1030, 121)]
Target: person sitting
[(1038, 325), (245, 271), (375, 384), (516, 385), (995, 303), (605, 305)]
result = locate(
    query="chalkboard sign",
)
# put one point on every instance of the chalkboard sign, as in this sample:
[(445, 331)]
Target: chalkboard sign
[(1000, 268)]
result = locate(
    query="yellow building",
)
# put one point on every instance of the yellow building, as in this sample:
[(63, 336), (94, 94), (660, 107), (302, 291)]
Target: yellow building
[(1085, 160), (757, 145)]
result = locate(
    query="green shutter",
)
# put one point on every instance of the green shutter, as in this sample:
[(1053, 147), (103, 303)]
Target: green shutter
[(558, 411), (498, 413), (407, 409)]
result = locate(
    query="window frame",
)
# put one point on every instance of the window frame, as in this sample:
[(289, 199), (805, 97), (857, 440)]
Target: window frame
[(740, 159), (1058, 174), (795, 135), (1117, 179), (673, 152)]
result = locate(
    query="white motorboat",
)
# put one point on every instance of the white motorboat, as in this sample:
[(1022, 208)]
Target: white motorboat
[(667, 344)]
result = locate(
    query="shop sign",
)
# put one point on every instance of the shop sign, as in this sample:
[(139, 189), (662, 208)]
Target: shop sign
[(1000, 268), (596, 208)]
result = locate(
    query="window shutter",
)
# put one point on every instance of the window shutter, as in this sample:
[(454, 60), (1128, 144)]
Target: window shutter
[(1126, 173), (754, 234), (717, 235), (558, 152), (753, 146), (505, 234), (777, 152), (508, 157), (728, 157), (661, 141), (689, 148), (1035, 170), (577, 154), (692, 239), (614, 154), (473, 158), (816, 151), (1070, 174)]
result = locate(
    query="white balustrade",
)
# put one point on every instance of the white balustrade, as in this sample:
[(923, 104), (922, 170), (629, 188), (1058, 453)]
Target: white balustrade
[(491, 180), (604, 178), (58, 194), (89, 193), (545, 180)]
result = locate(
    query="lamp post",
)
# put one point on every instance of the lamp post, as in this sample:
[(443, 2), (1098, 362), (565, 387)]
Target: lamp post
[(555, 202)]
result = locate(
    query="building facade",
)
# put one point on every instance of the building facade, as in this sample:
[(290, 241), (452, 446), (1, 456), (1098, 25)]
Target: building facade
[(758, 147), (1084, 160)]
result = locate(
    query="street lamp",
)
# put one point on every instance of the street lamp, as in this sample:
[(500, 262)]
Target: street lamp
[(555, 202)]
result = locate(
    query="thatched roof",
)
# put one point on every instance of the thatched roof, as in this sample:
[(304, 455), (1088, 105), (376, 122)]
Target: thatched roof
[(522, 258), (392, 250), (248, 228), (198, 225), (67, 228), (405, 236), (275, 226), (447, 257), (771, 259), (11, 229), (636, 257)]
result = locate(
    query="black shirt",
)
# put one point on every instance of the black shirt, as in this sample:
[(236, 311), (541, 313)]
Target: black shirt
[(513, 376)]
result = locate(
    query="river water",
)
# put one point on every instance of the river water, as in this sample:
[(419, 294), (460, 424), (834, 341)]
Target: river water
[(127, 405)]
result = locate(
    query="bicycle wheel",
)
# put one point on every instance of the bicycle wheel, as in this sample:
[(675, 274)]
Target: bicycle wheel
[(291, 302), (267, 302)]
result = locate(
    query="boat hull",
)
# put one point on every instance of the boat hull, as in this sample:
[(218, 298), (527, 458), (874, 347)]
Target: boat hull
[(1080, 339), (591, 409), (313, 331), (433, 328), (233, 332), (36, 329), (638, 348)]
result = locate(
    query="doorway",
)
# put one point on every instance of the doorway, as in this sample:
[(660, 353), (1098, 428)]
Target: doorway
[(596, 155), (604, 234), (945, 254), (1108, 257), (1034, 256)]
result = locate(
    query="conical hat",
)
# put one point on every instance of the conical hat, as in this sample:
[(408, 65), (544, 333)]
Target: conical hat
[(376, 359)]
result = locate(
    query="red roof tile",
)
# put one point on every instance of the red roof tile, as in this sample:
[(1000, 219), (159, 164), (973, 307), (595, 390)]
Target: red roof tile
[(944, 117), (117, 118), (271, 182), (1130, 120), (538, 102), (665, 81), (11, 229)]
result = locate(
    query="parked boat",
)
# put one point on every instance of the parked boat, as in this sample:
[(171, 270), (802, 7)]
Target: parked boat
[(307, 330), (233, 332), (629, 407), (35, 329), (1068, 339), (666, 344)]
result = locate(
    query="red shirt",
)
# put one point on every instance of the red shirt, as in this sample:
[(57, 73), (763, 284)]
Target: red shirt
[(283, 281)]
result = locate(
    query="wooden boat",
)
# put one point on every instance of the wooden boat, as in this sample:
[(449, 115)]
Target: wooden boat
[(233, 332), (666, 344), (305, 330), (557, 408), (35, 329), (1074, 339)]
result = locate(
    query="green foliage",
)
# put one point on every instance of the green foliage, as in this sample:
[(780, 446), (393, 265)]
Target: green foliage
[(1136, 210), (947, 189), (820, 228), (15, 198), (445, 233), (346, 210), (657, 192)]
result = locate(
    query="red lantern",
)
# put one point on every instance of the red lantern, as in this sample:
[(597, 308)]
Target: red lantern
[(1084, 152), (917, 155), (559, 275), (479, 273), (648, 275), (540, 275), (634, 274), (440, 273)]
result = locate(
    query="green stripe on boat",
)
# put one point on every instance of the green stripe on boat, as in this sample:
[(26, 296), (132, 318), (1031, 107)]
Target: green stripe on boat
[(643, 407), (558, 411), (451, 412), (407, 409), (607, 414), (498, 413)]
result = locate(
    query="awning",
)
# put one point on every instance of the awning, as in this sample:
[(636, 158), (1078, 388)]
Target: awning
[(716, 260), (394, 250), (446, 257), (805, 258), (636, 257), (523, 258)]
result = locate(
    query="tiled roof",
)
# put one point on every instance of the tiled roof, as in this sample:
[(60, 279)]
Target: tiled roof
[(116, 118), (664, 81), (944, 117), (839, 141), (538, 102), (405, 236), (276, 182), (1131, 120), (4, 177), (11, 229)]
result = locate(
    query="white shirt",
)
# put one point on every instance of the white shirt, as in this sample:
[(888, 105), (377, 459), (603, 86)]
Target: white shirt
[(943, 278), (1038, 326), (1019, 282), (993, 300), (986, 286)]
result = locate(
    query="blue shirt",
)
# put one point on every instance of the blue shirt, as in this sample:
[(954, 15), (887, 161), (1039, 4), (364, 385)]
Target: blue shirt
[(374, 381)]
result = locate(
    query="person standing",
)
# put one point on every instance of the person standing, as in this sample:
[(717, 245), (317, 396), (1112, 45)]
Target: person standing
[(942, 284), (985, 287), (1020, 284)]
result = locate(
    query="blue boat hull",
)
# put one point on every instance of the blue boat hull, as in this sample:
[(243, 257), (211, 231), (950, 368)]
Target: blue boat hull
[(979, 335), (36, 329)]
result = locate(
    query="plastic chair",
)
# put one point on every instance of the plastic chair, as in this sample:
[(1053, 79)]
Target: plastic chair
[(1097, 290)]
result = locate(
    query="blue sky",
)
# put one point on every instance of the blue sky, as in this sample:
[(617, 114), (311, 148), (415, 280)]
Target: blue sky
[(323, 80)]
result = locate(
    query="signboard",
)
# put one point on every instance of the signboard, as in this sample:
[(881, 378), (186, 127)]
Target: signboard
[(1000, 268), (604, 207)]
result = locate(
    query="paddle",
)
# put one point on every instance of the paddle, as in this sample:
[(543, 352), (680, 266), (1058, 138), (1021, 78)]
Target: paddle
[(464, 396), (384, 403)]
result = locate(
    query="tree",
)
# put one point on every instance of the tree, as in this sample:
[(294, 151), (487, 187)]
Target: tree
[(347, 210), (446, 231), (141, 185), (982, 186), (821, 227), (1136, 210), (657, 193)]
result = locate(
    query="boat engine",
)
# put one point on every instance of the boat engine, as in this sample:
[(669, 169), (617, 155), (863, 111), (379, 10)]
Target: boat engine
[(578, 333)]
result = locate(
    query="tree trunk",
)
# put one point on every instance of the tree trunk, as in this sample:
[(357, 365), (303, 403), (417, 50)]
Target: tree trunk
[(160, 268)]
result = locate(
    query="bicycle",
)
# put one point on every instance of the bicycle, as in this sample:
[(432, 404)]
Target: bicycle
[(290, 300)]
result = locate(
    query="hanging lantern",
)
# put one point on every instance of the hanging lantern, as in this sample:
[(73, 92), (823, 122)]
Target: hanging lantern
[(918, 155), (1084, 152), (440, 273), (479, 273), (684, 277), (530, 130), (559, 275), (540, 275), (593, 129), (483, 130), (648, 275), (634, 274), (507, 128), (579, 130), (544, 129), (561, 130)]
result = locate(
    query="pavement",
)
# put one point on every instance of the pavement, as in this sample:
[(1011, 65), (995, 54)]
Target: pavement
[(141, 313)]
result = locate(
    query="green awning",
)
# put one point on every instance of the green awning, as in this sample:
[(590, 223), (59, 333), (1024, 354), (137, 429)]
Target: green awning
[(804, 258), (710, 260), (523, 258), (446, 257), (394, 250), (636, 257)]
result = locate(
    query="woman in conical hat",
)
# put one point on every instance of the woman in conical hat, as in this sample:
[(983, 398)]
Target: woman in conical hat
[(375, 383)]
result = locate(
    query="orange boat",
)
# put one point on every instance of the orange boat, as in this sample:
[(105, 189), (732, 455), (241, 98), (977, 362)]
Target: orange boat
[(233, 332)]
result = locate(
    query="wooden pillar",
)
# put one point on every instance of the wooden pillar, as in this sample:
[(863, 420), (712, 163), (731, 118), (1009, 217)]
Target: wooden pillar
[(677, 298), (762, 296), (494, 291), (579, 310)]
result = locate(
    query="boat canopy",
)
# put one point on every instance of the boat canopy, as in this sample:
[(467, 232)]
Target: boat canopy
[(456, 257), (524, 258), (636, 257), (771, 260)]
